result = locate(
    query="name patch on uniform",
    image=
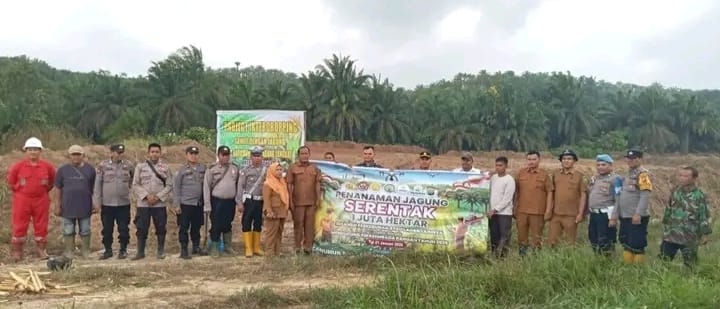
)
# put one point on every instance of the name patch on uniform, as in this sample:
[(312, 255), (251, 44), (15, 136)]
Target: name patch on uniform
[(644, 182)]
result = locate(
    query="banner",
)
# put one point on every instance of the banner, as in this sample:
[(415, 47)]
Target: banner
[(375, 211), (279, 132)]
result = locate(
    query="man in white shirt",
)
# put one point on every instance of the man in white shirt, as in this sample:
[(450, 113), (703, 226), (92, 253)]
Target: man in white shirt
[(467, 164), (502, 191)]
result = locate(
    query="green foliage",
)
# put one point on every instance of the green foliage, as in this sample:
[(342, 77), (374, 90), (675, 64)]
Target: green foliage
[(202, 135), (483, 111)]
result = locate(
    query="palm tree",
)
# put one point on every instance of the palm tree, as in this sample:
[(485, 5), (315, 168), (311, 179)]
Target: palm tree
[(575, 108), (390, 123), (693, 116)]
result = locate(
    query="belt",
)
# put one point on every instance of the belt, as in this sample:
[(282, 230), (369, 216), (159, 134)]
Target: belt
[(257, 197), (599, 211)]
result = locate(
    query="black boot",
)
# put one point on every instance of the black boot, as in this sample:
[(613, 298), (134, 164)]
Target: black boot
[(140, 250), (184, 252), (196, 249), (108, 253), (161, 247), (123, 252)]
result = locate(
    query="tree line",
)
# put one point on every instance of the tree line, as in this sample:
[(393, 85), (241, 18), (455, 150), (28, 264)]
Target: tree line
[(483, 111)]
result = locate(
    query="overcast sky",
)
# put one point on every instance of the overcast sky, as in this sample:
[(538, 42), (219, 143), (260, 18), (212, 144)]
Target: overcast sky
[(676, 43)]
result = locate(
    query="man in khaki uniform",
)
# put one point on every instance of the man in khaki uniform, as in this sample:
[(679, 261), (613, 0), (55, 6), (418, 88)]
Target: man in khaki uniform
[(112, 194), (569, 201), (249, 194), (152, 186), (533, 202), (219, 193), (303, 180)]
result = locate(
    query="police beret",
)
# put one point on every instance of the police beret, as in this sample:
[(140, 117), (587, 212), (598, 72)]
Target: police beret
[(425, 154), (256, 150), (604, 158), (192, 149), (117, 148), (223, 150)]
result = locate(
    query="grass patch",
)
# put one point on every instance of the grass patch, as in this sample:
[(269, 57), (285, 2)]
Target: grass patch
[(99, 276)]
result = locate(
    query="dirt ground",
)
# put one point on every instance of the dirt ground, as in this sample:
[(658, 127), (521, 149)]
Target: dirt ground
[(176, 283)]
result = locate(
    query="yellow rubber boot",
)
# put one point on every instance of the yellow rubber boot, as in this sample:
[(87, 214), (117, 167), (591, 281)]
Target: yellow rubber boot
[(628, 257), (256, 244), (248, 240), (639, 259)]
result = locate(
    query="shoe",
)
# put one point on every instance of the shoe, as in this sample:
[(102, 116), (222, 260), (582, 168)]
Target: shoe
[(227, 241), (123, 252), (214, 250), (140, 250), (161, 247), (257, 250), (17, 252), (85, 250), (184, 252), (196, 250), (628, 257), (41, 252), (248, 239), (69, 244)]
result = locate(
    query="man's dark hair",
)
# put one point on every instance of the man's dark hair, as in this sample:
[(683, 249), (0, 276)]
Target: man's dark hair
[(330, 153), (369, 147), (303, 147), (504, 160), (533, 152), (693, 170), (154, 145)]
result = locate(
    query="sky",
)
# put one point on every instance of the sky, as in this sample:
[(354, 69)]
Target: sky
[(411, 42)]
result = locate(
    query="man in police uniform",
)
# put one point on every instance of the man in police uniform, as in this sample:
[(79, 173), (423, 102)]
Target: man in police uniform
[(602, 190), (152, 186), (632, 209), (219, 194), (188, 193), (112, 191), (249, 189), (425, 161)]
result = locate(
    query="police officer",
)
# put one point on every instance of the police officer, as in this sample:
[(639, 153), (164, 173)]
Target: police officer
[(188, 197), (219, 193), (249, 188), (603, 189), (152, 185), (112, 191), (632, 208), (425, 161)]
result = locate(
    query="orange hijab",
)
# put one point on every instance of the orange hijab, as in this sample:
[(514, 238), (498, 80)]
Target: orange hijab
[(278, 184)]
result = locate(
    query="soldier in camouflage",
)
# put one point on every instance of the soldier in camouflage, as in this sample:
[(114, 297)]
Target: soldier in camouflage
[(632, 209), (686, 223), (112, 192)]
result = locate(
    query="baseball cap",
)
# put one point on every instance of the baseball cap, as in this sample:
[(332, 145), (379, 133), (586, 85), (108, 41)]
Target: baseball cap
[(634, 153), (466, 156), (119, 148), (256, 150), (192, 149), (223, 150), (425, 154), (76, 149)]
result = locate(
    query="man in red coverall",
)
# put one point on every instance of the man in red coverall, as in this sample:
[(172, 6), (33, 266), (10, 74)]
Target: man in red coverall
[(30, 181)]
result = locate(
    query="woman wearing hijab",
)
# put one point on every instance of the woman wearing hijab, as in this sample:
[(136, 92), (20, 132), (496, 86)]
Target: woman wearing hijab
[(275, 208)]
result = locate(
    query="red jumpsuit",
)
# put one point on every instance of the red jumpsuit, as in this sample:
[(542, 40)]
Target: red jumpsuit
[(30, 184)]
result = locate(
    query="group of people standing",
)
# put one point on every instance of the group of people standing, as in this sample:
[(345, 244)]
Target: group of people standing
[(196, 193), (562, 198)]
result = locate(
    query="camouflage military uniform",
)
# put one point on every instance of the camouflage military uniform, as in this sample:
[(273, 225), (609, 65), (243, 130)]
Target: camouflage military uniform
[(686, 221)]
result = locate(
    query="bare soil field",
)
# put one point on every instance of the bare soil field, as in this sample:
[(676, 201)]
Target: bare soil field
[(219, 283)]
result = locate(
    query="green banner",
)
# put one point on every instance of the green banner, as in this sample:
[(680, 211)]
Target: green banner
[(279, 132), (375, 211)]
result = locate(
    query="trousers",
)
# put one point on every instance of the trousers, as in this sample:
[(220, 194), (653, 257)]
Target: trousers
[(25, 208), (69, 226), (562, 226), (252, 216), (304, 227), (272, 233), (530, 225), (110, 216), (222, 213), (668, 251), (633, 237), (602, 237), (190, 218), (158, 215), (500, 233)]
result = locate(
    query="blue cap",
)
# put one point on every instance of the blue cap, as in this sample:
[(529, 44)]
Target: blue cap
[(604, 158)]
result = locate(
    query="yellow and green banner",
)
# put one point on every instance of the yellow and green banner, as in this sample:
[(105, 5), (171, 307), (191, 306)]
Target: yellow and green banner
[(375, 211), (279, 132)]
